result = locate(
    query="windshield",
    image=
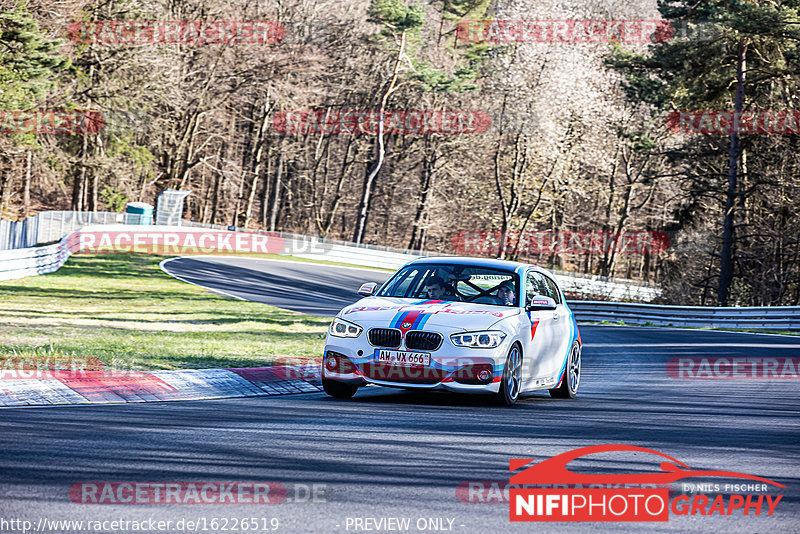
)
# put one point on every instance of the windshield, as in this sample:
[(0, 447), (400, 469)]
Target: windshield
[(459, 283)]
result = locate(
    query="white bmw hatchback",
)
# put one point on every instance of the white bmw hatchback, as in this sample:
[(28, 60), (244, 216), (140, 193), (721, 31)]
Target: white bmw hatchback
[(466, 325)]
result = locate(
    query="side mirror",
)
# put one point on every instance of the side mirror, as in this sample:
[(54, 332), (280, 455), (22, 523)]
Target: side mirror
[(540, 302), (368, 289)]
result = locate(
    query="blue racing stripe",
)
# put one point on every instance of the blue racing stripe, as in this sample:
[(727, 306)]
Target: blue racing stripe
[(397, 318), (400, 318), (418, 321), (423, 318), (401, 315)]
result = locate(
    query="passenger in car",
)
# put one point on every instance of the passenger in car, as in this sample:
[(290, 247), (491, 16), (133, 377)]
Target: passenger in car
[(506, 293), (437, 289)]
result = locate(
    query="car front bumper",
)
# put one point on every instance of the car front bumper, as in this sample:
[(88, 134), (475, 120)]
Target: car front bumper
[(452, 368)]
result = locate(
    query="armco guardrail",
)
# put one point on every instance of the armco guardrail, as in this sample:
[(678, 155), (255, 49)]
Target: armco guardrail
[(32, 261), (758, 318)]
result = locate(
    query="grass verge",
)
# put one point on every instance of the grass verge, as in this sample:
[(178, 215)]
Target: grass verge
[(123, 310)]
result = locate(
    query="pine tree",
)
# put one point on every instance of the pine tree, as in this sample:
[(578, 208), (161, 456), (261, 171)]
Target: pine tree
[(727, 55), (28, 64), (28, 61)]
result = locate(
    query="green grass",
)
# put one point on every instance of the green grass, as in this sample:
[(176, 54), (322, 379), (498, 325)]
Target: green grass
[(124, 311)]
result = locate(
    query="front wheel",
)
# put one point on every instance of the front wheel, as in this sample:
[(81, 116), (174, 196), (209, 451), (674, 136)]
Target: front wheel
[(340, 390), (512, 378), (571, 378)]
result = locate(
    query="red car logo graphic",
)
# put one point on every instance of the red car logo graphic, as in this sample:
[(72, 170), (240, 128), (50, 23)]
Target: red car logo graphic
[(554, 470)]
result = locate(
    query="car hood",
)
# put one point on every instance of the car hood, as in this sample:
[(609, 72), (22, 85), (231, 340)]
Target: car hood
[(393, 312)]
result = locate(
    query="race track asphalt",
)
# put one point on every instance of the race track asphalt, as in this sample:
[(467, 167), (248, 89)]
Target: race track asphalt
[(305, 287), (395, 454)]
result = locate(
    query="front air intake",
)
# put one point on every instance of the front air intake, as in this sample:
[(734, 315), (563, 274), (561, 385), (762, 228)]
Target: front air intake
[(384, 337), (418, 340)]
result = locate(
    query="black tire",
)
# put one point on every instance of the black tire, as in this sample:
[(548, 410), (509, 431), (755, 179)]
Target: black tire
[(512, 378), (571, 379), (340, 390)]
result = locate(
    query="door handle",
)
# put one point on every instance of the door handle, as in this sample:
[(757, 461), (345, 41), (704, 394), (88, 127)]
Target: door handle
[(555, 316)]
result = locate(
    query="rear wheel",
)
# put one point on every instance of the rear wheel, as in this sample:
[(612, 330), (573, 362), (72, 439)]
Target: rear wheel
[(571, 378), (512, 378), (340, 390)]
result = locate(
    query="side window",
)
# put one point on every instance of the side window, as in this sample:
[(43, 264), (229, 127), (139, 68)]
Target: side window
[(555, 293), (536, 285)]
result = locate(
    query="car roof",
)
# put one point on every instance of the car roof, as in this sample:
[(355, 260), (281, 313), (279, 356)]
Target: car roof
[(477, 262)]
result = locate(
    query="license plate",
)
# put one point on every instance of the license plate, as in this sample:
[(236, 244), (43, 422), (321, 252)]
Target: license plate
[(402, 357)]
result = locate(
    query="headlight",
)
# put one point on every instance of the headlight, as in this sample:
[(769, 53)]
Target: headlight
[(479, 340), (342, 328)]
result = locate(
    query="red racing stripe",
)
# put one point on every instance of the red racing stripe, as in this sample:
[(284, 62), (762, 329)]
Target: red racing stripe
[(408, 319), (533, 328)]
